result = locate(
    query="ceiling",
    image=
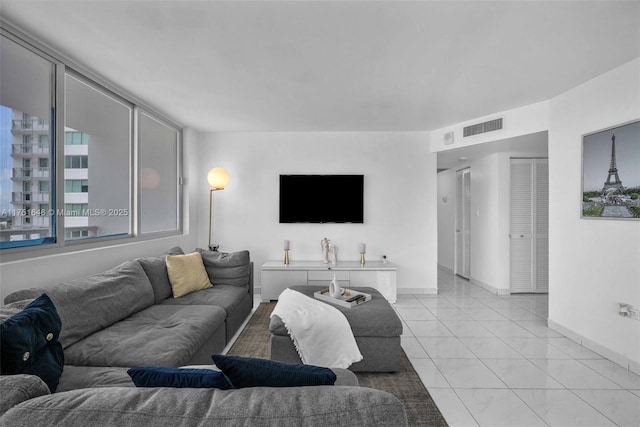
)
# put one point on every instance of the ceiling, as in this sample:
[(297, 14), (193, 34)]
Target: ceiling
[(335, 65)]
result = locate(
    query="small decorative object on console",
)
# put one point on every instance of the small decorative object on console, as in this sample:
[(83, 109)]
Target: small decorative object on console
[(363, 250), (286, 252), (325, 244), (334, 288), (348, 299), (333, 254)]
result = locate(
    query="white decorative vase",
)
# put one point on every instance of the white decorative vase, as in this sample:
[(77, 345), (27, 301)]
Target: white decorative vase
[(334, 288)]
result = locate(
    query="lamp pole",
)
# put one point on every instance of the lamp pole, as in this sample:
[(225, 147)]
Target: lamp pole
[(212, 247), (218, 178)]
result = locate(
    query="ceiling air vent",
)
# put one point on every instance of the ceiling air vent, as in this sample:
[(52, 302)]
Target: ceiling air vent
[(489, 126)]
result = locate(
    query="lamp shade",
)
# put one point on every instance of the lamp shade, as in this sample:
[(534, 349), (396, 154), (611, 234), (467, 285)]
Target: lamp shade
[(218, 178)]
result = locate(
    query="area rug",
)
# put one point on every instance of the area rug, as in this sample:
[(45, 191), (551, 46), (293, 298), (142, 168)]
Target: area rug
[(254, 341)]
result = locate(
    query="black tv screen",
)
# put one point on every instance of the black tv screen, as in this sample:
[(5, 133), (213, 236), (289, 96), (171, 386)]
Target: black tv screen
[(321, 198)]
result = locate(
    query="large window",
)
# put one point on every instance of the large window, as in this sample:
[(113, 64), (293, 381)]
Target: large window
[(26, 105), (159, 143), (107, 121), (46, 199)]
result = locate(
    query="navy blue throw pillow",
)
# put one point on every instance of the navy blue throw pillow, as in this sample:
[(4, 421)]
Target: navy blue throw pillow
[(150, 376), (252, 372), (29, 342)]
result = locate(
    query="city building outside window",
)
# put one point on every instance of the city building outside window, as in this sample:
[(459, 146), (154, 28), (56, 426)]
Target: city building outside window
[(98, 124)]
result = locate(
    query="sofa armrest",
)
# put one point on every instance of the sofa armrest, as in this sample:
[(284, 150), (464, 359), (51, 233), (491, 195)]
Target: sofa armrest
[(345, 377), (18, 388)]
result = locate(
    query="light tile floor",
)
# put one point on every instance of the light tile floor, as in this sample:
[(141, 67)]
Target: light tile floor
[(490, 360)]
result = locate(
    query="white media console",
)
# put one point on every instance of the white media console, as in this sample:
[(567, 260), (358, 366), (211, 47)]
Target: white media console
[(276, 276)]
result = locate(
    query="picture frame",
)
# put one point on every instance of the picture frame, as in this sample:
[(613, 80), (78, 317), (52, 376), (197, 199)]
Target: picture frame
[(611, 173)]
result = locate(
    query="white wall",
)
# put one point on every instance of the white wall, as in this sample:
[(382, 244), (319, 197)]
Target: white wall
[(594, 264), (52, 269), (484, 266), (400, 215)]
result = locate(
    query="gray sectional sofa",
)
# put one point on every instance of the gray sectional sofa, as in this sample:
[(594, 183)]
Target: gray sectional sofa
[(127, 317)]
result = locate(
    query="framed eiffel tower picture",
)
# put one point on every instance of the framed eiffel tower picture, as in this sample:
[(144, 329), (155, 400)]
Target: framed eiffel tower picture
[(611, 173)]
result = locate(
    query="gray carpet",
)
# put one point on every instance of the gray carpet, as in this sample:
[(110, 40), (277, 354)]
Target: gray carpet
[(254, 341)]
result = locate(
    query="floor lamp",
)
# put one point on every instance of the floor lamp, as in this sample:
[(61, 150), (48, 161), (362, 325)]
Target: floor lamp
[(218, 179)]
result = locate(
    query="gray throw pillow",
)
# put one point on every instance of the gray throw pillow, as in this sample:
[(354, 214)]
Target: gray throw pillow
[(227, 268), (176, 250), (156, 269)]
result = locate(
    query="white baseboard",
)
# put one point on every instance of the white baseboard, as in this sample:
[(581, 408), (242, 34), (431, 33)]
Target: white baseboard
[(490, 288), (476, 282), (617, 358), (421, 291)]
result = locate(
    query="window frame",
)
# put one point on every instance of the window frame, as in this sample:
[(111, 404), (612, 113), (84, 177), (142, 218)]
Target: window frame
[(62, 65)]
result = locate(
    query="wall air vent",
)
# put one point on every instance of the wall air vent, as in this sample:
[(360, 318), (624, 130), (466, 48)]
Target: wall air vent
[(448, 138), (476, 129)]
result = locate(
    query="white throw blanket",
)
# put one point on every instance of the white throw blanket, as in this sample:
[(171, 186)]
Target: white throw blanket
[(321, 333)]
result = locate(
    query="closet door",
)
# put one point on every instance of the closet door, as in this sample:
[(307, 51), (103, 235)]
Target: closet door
[(463, 223), (529, 231)]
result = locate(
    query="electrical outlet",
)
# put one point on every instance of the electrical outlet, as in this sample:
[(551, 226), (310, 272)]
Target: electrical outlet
[(625, 310)]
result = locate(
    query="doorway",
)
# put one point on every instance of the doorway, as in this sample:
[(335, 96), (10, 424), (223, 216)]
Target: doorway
[(463, 223)]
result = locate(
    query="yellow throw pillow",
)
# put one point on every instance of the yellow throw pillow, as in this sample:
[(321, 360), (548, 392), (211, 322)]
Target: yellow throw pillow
[(186, 274)]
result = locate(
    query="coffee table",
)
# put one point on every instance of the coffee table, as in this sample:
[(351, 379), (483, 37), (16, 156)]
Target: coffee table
[(375, 325)]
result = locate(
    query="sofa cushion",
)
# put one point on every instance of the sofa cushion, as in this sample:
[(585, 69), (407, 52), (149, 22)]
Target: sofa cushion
[(29, 342), (16, 307), (151, 376), (75, 377), (170, 407), (224, 296), (160, 335), (156, 269), (227, 268), (92, 303), (253, 372), (18, 388), (186, 274)]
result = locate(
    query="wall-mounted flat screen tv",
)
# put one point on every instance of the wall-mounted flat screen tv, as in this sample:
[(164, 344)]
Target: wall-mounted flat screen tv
[(321, 198)]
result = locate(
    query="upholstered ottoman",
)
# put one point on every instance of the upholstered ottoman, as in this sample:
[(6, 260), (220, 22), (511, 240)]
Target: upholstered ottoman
[(375, 325)]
